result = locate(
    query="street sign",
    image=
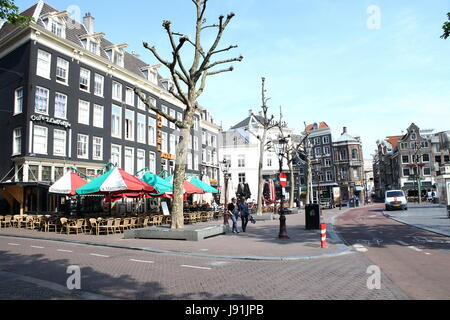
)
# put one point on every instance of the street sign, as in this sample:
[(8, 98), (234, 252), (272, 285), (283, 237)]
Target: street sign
[(283, 180)]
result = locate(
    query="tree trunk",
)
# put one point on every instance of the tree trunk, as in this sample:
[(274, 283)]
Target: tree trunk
[(262, 144), (308, 181), (291, 191), (179, 175)]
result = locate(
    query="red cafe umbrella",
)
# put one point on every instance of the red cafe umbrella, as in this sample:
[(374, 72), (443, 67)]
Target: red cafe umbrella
[(68, 184)]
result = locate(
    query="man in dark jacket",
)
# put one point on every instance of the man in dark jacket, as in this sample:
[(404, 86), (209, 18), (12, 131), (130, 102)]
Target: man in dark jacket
[(233, 210), (243, 210)]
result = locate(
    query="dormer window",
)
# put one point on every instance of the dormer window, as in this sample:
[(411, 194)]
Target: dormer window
[(116, 54), (151, 73), (55, 23), (91, 42), (93, 47)]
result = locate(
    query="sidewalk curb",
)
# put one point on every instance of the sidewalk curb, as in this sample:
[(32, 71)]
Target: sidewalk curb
[(415, 226), (343, 248), (202, 255)]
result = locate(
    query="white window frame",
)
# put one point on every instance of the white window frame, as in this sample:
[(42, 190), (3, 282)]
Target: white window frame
[(141, 127), (95, 144), (151, 127), (152, 161), (18, 100), (64, 99), (164, 142), (196, 143), (164, 120), (84, 111), (99, 85), (140, 159), (85, 72), (173, 114), (44, 62), (17, 141), (64, 65), (98, 118), (117, 89), (132, 160), (140, 104), (41, 89), (119, 155), (129, 135), (172, 144), (86, 155), (119, 122), (196, 164), (45, 150), (129, 96), (64, 148)]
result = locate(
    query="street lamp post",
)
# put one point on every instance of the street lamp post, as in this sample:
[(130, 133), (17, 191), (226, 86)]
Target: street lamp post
[(225, 166), (280, 149)]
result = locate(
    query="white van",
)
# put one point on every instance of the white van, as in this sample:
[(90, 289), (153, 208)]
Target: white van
[(396, 199)]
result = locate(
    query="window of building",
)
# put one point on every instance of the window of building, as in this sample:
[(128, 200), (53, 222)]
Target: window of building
[(318, 151), (97, 121), (60, 105), (354, 154), (173, 144), (59, 172), (129, 96), (97, 148), (41, 101), (62, 71), (189, 160), (241, 177), (343, 154), (33, 173), (438, 159), (241, 161), (59, 142), (413, 136), (140, 104), (355, 174), (204, 138), (406, 172), (427, 171), (83, 146), (326, 140), (129, 160), (116, 122), (117, 91), (140, 159), (129, 124), (196, 164), (326, 151), (179, 116), (426, 157), (446, 158), (43, 64), (93, 47), (269, 160), (17, 141), (85, 79), (46, 173), (18, 101), (164, 142), (173, 114), (83, 112), (116, 155), (151, 131), (164, 120), (141, 128), (99, 84), (196, 143), (152, 162), (405, 159), (424, 144), (40, 140), (57, 28), (327, 162), (404, 145), (203, 155)]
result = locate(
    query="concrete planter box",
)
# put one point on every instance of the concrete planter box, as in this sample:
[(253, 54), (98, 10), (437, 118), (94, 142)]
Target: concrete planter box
[(189, 233)]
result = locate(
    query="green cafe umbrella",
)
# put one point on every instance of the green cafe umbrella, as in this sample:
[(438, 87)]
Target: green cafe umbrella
[(202, 185), (161, 185)]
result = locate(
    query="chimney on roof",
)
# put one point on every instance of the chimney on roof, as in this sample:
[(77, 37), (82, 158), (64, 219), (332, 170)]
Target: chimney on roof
[(250, 112), (89, 23), (345, 130)]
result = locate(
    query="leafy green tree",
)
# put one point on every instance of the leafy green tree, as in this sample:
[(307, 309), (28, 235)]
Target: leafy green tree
[(446, 28), (10, 13)]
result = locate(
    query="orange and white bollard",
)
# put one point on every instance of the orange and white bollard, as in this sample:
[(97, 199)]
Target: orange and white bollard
[(323, 235)]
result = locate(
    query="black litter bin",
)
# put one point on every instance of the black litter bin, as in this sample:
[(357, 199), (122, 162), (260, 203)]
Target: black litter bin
[(312, 217)]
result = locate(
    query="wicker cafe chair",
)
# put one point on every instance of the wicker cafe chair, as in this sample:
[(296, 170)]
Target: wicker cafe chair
[(133, 224), (145, 222), (78, 225), (125, 224), (94, 226), (109, 225), (64, 224), (117, 225)]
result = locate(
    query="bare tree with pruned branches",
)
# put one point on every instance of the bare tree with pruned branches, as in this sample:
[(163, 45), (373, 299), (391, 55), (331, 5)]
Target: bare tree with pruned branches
[(193, 80)]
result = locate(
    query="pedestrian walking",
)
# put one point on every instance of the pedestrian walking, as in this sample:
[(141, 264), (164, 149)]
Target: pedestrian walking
[(244, 212), (234, 213)]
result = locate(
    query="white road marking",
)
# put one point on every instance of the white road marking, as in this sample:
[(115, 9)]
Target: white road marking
[(14, 244), (195, 267), (427, 253), (143, 261), (99, 255), (61, 250), (37, 247), (360, 248)]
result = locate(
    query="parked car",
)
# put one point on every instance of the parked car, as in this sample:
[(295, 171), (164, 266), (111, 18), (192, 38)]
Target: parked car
[(396, 199)]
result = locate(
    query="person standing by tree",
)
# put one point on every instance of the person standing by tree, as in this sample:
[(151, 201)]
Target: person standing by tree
[(243, 210)]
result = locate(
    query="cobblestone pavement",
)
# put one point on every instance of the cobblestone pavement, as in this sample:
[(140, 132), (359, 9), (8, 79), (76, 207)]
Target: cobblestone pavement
[(426, 216), (127, 274)]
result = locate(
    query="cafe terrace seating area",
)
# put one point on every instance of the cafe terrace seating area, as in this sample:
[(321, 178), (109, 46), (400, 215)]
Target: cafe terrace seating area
[(95, 225)]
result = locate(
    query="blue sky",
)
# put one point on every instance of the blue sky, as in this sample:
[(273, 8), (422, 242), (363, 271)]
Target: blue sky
[(321, 60)]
